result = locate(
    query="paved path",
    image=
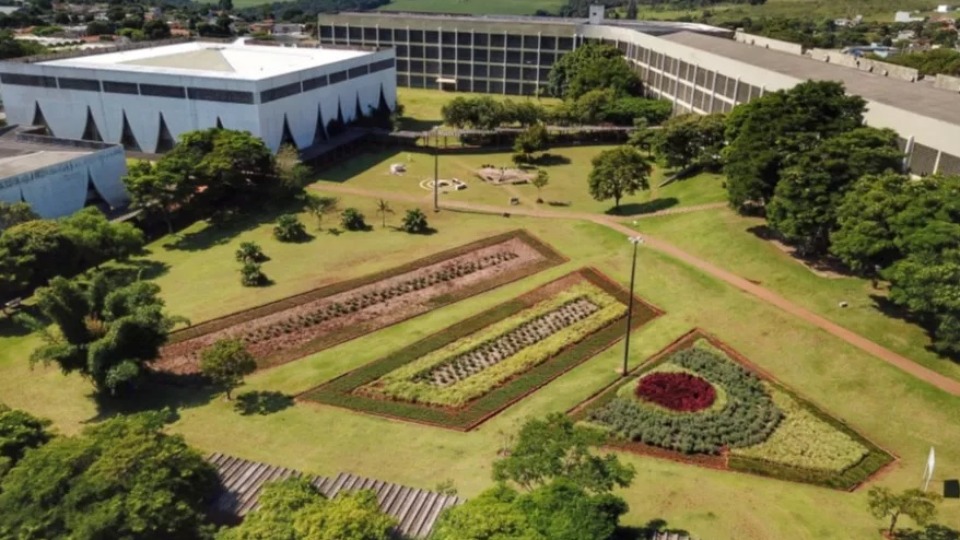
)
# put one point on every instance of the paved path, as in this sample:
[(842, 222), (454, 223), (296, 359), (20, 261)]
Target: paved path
[(927, 375)]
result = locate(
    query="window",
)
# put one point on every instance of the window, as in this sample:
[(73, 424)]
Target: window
[(530, 58), (369, 34), (464, 38), (399, 35), (547, 58), (28, 80), (162, 90), (481, 55), (416, 51), (381, 65), (431, 51), (416, 81), (496, 72), (358, 71), (89, 85), (513, 73), (432, 68), (496, 87), (497, 56), (338, 76), (548, 42), (513, 57), (497, 40), (279, 92), (530, 42), (314, 83), (403, 80), (463, 53), (530, 74), (566, 44), (480, 86), (416, 36), (339, 32), (448, 68), (431, 37), (481, 40), (384, 34), (448, 38), (514, 41), (223, 96), (480, 70), (354, 33), (512, 88), (326, 32), (402, 50), (416, 66), (402, 65), (120, 87)]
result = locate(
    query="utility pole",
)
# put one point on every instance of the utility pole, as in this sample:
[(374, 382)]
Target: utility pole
[(436, 174), (636, 241)]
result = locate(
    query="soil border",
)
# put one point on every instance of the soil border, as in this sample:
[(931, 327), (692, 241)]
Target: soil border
[(551, 258), (339, 392), (728, 462)]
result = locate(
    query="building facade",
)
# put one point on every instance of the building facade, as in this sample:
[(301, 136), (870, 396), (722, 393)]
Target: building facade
[(145, 98)]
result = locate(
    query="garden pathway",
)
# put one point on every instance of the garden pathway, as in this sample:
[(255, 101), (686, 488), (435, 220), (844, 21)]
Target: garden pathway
[(942, 382)]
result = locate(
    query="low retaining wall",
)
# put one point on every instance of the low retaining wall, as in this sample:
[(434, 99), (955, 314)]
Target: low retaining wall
[(865, 64), (768, 43), (946, 82)]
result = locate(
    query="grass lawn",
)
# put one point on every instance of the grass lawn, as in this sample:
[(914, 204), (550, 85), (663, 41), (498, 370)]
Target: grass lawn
[(421, 108), (476, 7), (725, 238), (200, 280), (568, 181), (817, 10)]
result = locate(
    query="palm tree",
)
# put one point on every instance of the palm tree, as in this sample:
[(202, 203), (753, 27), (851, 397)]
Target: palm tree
[(383, 208), (320, 206)]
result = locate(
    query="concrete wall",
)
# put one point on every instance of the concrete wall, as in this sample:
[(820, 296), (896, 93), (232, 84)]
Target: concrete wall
[(768, 43), (946, 82), (864, 64)]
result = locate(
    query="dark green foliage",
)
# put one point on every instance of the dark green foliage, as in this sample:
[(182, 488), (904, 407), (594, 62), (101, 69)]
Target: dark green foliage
[(763, 133), (352, 220), (15, 213), (289, 228), (98, 240), (226, 363), (617, 172), (251, 275), (804, 204), (32, 253), (554, 448), (484, 112), (748, 417), (105, 330), (415, 222), (124, 478), (918, 505), (593, 67), (250, 252), (533, 139), (293, 509), (691, 139), (944, 60), (19, 432)]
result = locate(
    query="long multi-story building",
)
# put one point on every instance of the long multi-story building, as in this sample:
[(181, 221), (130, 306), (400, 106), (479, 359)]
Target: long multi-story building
[(145, 98), (697, 67)]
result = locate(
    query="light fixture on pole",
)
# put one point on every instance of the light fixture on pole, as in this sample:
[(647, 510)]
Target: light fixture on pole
[(636, 241)]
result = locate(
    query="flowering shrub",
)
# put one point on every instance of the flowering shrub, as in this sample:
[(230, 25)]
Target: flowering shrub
[(677, 391)]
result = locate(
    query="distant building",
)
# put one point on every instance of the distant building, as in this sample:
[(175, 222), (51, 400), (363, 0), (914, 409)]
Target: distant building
[(875, 49), (943, 8), (58, 177), (905, 17), (841, 23), (145, 98)]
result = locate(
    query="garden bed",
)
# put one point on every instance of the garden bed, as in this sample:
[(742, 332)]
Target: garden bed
[(759, 426), (465, 374), (304, 324)]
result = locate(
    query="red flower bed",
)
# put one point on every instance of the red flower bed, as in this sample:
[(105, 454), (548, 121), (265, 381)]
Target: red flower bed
[(677, 391)]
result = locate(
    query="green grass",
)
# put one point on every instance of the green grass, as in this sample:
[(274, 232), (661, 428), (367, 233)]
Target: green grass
[(816, 10), (422, 108), (568, 181), (199, 280), (726, 239), (475, 7)]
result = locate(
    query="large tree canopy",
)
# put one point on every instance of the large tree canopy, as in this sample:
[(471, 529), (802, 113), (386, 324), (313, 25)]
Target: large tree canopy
[(104, 330), (691, 139), (593, 66), (294, 510), (19, 432), (15, 213), (124, 478), (620, 171), (763, 133), (33, 252)]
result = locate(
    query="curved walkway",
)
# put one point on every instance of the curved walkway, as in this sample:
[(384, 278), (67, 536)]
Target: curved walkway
[(942, 382)]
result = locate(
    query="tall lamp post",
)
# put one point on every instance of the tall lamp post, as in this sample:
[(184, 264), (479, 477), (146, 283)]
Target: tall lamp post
[(636, 241)]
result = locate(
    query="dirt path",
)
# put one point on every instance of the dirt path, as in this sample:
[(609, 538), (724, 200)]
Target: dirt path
[(927, 375)]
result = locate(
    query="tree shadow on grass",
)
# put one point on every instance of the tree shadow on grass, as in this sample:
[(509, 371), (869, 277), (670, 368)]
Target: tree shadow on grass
[(429, 231), (139, 269), (11, 327), (152, 396), (547, 159), (649, 207), (888, 308), (222, 229), (261, 402), (932, 532), (647, 531)]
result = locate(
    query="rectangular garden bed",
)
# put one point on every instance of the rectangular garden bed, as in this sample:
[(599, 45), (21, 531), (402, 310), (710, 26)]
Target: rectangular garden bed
[(700, 402), (465, 374), (294, 327)]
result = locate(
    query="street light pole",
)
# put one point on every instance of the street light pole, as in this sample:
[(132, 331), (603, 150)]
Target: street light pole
[(636, 241), (436, 174)]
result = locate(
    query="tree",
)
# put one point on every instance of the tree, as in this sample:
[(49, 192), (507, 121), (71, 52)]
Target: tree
[(97, 240), (383, 208), (32, 253), (226, 363), (289, 228), (250, 252), (918, 505), (319, 206), (156, 29), (556, 448), (415, 222), (927, 286), (540, 181), (691, 140), (251, 275), (157, 188), (294, 175), (618, 171), (531, 140), (632, 10), (19, 432), (15, 213), (593, 66), (352, 220), (104, 329), (492, 515), (123, 478), (811, 187), (761, 134), (482, 112), (293, 509)]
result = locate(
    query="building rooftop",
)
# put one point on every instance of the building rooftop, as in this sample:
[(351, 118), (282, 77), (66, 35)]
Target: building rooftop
[(197, 58), (918, 98), (22, 152)]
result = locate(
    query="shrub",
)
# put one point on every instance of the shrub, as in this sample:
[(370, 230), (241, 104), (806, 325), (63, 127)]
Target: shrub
[(251, 275), (289, 228), (250, 252), (352, 220), (415, 222), (677, 391)]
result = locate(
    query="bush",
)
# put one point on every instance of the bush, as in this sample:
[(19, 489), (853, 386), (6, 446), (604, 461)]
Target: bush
[(251, 275), (289, 229), (415, 222), (677, 391), (250, 252), (352, 220)]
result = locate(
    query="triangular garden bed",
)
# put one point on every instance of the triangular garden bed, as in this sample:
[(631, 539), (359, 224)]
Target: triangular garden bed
[(679, 405)]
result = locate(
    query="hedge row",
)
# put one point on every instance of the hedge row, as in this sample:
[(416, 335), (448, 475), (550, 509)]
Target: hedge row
[(339, 392), (552, 258)]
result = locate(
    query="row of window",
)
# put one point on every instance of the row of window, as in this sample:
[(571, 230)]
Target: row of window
[(383, 36), (416, 52), (198, 94), (469, 85), (475, 70)]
